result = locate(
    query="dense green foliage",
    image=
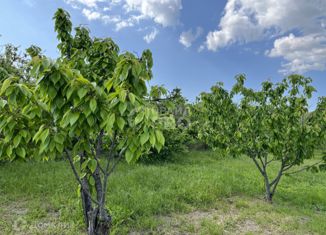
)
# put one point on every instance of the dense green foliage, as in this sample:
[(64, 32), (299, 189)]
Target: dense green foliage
[(89, 101), (13, 63), (272, 124), (177, 139)]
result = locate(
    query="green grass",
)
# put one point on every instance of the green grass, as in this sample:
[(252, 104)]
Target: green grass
[(198, 193)]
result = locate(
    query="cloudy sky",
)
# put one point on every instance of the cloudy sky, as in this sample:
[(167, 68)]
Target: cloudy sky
[(194, 43)]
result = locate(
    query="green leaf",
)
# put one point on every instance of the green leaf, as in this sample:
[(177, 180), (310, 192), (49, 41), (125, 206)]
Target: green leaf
[(52, 92), (160, 137), (136, 69), (59, 138), (59, 147), (144, 138), (152, 138), (55, 77), (38, 134), (122, 95), (73, 117), (93, 105), (21, 152), (109, 84), (82, 92), (87, 111), (17, 140), (129, 156), (23, 133), (2, 103), (122, 107), (44, 135), (69, 92), (139, 118), (84, 164), (79, 190), (44, 146), (153, 115), (76, 158), (111, 120), (92, 164), (90, 120), (121, 123), (5, 85), (25, 90), (9, 151), (132, 98), (158, 146), (91, 181)]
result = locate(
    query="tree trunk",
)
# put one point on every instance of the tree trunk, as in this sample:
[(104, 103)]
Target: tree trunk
[(99, 220), (268, 192), (99, 224), (86, 201)]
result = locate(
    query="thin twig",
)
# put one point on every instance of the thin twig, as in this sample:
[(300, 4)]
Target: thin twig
[(106, 174), (304, 168), (78, 179), (272, 160), (117, 161), (97, 160)]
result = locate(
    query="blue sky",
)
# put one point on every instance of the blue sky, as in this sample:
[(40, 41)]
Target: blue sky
[(194, 43)]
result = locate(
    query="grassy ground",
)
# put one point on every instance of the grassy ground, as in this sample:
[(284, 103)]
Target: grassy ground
[(198, 193)]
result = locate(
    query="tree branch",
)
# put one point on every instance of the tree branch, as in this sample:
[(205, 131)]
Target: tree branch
[(161, 99), (278, 177), (258, 166), (268, 162), (106, 174), (117, 161), (304, 168), (95, 154), (78, 179)]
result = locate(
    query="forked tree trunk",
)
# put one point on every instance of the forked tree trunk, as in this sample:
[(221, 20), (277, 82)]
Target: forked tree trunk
[(98, 224), (96, 217), (270, 186)]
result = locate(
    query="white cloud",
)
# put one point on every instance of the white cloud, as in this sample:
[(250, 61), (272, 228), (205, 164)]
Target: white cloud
[(131, 12), (87, 3), (246, 21), (151, 36), (108, 19), (91, 15), (301, 53), (188, 37), (163, 12), (123, 24)]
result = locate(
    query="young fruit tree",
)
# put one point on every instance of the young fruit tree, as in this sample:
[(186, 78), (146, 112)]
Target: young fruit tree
[(270, 126), (90, 106)]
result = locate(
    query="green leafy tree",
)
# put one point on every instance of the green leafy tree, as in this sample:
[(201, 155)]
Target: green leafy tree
[(89, 105), (12, 62), (269, 125), (197, 118), (171, 105)]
